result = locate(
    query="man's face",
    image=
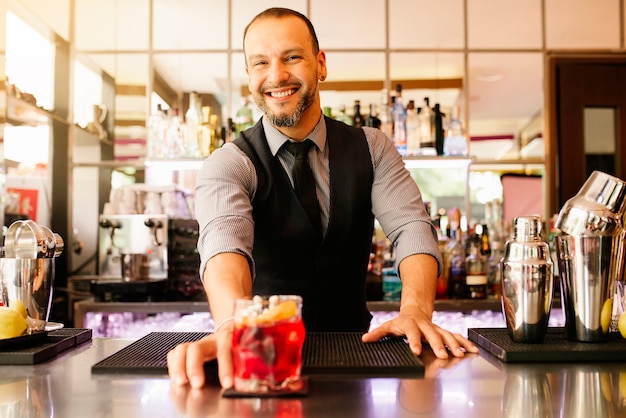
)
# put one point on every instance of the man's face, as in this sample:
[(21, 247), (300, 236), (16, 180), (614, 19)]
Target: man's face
[(283, 70)]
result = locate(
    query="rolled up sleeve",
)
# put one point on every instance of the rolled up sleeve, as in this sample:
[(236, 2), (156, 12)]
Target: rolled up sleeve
[(397, 203), (224, 190)]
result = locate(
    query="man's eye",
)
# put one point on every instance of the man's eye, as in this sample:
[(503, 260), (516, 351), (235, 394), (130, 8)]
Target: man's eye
[(292, 58), (259, 63)]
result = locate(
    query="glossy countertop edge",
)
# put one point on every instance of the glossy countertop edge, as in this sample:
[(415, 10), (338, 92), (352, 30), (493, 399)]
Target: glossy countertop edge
[(471, 387)]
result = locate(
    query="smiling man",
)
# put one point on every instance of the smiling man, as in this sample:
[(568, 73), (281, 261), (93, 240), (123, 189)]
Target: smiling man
[(284, 66), (256, 235)]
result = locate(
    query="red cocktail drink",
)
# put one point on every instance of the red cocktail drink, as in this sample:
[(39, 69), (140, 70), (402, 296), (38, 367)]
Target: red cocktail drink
[(267, 344)]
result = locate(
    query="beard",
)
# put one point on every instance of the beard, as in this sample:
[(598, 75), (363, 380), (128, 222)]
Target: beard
[(284, 119)]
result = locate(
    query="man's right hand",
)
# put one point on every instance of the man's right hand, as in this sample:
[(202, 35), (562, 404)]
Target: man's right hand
[(185, 363)]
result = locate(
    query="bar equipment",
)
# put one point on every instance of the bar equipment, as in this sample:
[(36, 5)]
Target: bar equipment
[(526, 273), (26, 239), (135, 267), (139, 239), (184, 260), (27, 271), (590, 251), (148, 245)]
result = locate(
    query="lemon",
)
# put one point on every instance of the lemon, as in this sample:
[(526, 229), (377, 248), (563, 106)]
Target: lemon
[(605, 315), (19, 305), (284, 310), (12, 323), (621, 326)]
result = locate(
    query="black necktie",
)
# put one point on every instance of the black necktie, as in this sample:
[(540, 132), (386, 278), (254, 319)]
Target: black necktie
[(304, 182)]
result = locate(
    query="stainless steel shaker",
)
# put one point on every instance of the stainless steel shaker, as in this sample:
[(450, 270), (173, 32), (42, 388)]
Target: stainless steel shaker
[(590, 251), (527, 282)]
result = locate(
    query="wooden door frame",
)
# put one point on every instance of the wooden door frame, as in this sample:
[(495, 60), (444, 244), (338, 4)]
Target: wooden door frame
[(551, 62)]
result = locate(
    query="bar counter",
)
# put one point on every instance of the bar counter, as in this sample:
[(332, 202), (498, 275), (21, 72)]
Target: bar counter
[(475, 386)]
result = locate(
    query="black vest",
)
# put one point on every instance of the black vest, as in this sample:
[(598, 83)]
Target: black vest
[(290, 257)]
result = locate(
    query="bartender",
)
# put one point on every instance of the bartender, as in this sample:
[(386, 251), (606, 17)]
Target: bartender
[(261, 234)]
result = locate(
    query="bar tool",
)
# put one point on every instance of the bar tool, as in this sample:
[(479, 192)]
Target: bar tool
[(526, 273)]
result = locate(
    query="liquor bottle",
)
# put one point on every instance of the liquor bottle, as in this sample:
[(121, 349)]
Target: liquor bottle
[(156, 133), (485, 245), (475, 273), (442, 281), (193, 121), (243, 118), (372, 120), (216, 136), (457, 287), (427, 143), (437, 129), (386, 121), (455, 142), (230, 131), (494, 283), (358, 121), (174, 136), (398, 112), (412, 129), (206, 133)]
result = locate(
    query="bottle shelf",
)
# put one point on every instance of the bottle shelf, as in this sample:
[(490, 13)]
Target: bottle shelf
[(21, 112)]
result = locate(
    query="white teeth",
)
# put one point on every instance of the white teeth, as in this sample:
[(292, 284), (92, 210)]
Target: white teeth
[(282, 93)]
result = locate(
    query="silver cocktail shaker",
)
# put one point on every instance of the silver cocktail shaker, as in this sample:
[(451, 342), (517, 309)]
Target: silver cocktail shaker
[(527, 282), (590, 252)]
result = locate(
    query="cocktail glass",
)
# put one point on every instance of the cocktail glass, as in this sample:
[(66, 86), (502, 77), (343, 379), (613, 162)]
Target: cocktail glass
[(267, 344)]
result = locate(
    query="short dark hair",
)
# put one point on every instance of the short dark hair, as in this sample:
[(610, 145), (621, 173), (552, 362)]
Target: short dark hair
[(278, 12)]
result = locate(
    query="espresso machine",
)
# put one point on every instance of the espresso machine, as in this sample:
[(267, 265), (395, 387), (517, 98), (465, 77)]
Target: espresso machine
[(143, 236), (147, 245)]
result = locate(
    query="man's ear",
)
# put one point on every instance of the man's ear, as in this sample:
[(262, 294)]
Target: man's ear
[(321, 66)]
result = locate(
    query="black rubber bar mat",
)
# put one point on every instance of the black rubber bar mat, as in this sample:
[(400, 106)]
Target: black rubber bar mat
[(38, 351), (337, 354), (555, 347)]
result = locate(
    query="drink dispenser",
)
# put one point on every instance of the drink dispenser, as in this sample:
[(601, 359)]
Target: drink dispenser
[(133, 247)]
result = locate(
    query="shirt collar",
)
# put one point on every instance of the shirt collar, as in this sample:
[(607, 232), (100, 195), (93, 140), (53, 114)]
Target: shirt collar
[(276, 139)]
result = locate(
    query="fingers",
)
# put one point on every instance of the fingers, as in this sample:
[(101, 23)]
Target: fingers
[(414, 336), (185, 363), (431, 334), (197, 354), (445, 341), (374, 335), (441, 341), (176, 364), (466, 344), (225, 358)]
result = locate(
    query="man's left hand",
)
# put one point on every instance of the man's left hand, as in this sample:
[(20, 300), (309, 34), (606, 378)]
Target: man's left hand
[(417, 327)]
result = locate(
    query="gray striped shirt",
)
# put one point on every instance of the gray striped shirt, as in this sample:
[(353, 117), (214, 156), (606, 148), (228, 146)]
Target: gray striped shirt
[(227, 183)]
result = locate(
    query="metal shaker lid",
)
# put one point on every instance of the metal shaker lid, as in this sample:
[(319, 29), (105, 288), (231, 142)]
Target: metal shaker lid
[(597, 209), (527, 228), (608, 191)]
